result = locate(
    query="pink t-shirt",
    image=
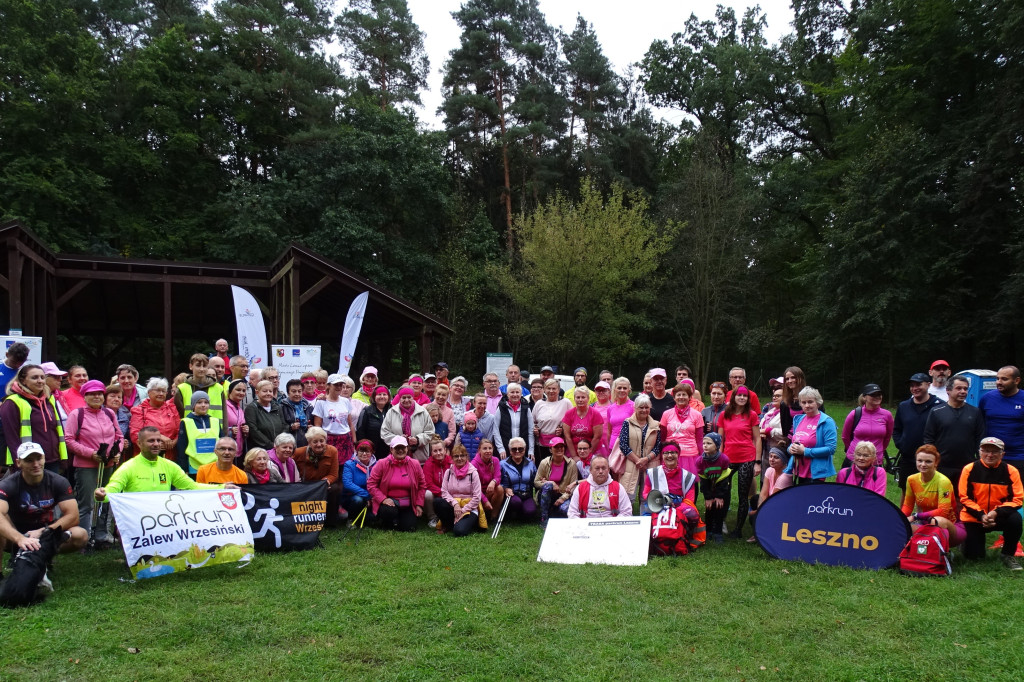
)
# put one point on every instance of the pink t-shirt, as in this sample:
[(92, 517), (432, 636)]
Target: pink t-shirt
[(583, 427), (686, 433), (616, 415), (400, 485), (806, 434), (738, 436)]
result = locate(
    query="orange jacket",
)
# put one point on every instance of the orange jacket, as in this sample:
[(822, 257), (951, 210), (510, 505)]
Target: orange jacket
[(984, 488)]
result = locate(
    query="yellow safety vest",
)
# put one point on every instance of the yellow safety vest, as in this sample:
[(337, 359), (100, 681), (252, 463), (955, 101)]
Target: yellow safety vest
[(25, 413), (216, 393), (201, 442)]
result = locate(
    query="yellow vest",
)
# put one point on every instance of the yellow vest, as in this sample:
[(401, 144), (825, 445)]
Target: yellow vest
[(201, 442), (25, 413), (215, 391)]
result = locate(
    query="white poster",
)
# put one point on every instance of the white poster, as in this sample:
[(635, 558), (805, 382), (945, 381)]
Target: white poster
[(618, 540), (252, 331), (292, 361), (170, 532), (498, 363), (34, 343), (353, 325)]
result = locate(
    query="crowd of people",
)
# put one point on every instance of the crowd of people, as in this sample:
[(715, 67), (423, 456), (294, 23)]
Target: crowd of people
[(525, 449)]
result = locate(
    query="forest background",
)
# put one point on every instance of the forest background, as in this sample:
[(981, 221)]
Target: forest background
[(846, 198)]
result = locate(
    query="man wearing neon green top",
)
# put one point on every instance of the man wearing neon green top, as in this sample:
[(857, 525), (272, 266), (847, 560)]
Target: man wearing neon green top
[(150, 471)]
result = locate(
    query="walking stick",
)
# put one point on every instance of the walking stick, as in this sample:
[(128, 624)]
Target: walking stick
[(501, 517), (361, 520), (101, 453)]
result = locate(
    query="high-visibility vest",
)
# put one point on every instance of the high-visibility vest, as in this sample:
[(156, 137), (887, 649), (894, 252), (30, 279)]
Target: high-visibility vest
[(25, 415), (216, 393), (201, 442)]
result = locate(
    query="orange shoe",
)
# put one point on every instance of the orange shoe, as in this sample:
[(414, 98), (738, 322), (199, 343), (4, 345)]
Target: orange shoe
[(998, 543)]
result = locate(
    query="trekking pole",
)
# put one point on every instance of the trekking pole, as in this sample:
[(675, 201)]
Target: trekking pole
[(359, 519), (101, 452), (501, 517)]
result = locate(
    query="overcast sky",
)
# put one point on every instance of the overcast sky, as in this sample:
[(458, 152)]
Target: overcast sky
[(625, 28)]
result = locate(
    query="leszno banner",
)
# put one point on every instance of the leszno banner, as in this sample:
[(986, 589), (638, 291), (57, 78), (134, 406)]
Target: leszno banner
[(169, 532), (286, 516), (252, 332), (353, 325)]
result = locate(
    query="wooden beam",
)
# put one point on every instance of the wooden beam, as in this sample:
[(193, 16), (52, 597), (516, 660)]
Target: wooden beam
[(168, 336), (426, 347), (159, 278), (39, 260), (4, 283), (294, 305), (314, 290), (70, 293), (14, 263), (285, 269)]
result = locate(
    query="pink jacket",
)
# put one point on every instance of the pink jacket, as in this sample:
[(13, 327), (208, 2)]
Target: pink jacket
[(98, 426), (165, 418), (380, 475), (874, 479), (467, 486)]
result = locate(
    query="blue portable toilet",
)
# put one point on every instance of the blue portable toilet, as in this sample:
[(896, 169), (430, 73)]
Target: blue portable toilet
[(981, 382)]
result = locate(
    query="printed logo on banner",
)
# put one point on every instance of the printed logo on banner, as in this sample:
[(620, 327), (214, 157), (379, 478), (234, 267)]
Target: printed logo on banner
[(228, 500), (247, 313), (296, 352), (834, 524), (286, 516), (280, 352)]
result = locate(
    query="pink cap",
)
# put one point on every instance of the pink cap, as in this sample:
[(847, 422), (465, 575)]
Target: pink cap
[(369, 369), (603, 384), (93, 386), (399, 440), (659, 372), (556, 441), (51, 369)]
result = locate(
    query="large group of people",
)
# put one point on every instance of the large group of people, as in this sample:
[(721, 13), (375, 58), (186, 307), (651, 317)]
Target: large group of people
[(524, 450)]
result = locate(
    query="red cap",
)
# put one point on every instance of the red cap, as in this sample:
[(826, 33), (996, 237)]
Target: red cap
[(939, 363)]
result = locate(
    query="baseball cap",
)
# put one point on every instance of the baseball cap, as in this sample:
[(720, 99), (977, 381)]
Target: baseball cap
[(547, 368), (334, 379), (369, 369), (658, 372), (918, 377), (777, 381), (399, 440), (93, 386), (441, 365), (428, 376), (603, 384), (51, 369), (991, 440), (556, 441), (870, 389), (27, 450), (939, 363)]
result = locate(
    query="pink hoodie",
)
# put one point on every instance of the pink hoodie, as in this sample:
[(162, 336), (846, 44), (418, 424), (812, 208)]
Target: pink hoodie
[(98, 426)]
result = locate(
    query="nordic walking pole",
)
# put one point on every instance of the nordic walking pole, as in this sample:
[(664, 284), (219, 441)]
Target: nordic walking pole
[(501, 517)]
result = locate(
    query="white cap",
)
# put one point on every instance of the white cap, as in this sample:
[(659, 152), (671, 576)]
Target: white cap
[(334, 379), (26, 450)]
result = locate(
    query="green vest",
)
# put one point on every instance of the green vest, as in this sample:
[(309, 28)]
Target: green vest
[(215, 391), (201, 442), (25, 412)]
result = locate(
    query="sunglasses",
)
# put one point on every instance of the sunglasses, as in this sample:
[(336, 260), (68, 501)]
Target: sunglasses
[(718, 384), (518, 449)]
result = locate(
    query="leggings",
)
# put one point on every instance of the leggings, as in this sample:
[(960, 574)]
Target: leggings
[(399, 518), (744, 476), (521, 507), (547, 499), (446, 513)]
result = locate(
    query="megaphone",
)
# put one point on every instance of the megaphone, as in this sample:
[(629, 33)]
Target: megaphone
[(657, 500)]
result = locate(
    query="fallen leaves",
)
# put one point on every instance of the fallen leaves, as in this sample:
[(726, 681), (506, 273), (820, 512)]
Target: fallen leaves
[(557, 592), (962, 646)]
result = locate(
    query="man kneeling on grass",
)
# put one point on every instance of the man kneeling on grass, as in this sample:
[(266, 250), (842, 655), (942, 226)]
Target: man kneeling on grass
[(150, 472), (27, 501), (990, 500), (599, 496)]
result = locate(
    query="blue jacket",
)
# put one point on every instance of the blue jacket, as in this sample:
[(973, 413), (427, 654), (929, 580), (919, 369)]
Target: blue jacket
[(470, 441), (353, 478), (521, 484), (821, 454)]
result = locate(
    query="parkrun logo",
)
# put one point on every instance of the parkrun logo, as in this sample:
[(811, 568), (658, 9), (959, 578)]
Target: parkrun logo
[(826, 508)]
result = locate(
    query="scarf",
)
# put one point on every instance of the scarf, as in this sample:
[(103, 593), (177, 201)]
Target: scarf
[(261, 478), (406, 413), (683, 413), (460, 471), (129, 398)]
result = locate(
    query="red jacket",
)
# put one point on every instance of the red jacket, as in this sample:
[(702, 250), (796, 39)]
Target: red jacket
[(165, 418)]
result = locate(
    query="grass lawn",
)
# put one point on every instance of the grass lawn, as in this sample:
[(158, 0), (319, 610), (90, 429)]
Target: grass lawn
[(421, 606)]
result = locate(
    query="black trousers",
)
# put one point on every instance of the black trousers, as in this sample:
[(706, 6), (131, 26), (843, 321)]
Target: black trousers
[(1009, 525), (397, 518), (446, 512)]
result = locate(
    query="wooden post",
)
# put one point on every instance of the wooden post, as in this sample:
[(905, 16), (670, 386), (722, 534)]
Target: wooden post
[(405, 360), (168, 336), (14, 263), (426, 338)]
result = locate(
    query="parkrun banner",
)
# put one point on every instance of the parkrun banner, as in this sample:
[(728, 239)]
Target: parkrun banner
[(286, 516), (834, 524), (170, 532)]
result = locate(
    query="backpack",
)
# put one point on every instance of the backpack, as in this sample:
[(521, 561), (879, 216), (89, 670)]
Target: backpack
[(671, 535), (927, 552)]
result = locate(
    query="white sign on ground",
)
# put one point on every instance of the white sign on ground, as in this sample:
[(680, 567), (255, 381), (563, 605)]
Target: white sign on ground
[(619, 540)]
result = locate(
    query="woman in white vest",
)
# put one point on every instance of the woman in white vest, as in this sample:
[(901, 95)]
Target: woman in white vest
[(670, 479)]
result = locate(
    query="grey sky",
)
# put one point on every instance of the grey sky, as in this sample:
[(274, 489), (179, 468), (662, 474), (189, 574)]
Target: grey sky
[(625, 29)]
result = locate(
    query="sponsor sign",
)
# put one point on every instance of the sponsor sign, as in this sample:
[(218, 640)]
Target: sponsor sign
[(252, 331), (618, 540), (179, 530), (286, 516), (834, 524), (34, 343), (498, 363), (292, 361), (353, 325)]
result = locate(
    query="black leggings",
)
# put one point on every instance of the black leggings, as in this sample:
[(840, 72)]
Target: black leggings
[(744, 477), (446, 512), (399, 518)]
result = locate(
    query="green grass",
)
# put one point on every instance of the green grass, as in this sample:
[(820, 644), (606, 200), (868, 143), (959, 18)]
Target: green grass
[(421, 606)]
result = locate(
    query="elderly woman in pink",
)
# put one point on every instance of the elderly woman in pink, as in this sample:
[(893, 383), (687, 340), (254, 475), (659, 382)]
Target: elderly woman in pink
[(547, 419), (603, 389), (684, 426), (582, 422), (459, 506)]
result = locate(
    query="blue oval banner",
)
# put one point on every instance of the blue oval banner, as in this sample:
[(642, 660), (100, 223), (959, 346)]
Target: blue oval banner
[(834, 524)]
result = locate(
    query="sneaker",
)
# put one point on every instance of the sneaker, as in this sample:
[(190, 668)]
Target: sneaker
[(998, 544), (432, 523), (1009, 561), (46, 587), (718, 538)]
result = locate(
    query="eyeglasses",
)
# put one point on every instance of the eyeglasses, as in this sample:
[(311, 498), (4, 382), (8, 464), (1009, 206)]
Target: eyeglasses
[(518, 449)]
